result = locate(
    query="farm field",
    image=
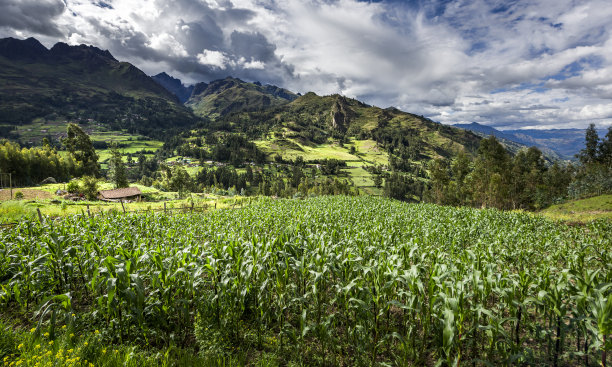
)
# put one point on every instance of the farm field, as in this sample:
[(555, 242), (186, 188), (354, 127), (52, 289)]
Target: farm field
[(333, 281)]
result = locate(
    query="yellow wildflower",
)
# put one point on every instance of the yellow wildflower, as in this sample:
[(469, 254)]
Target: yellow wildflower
[(63, 327), (32, 329)]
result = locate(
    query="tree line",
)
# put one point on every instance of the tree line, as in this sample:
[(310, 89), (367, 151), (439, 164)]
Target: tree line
[(494, 178)]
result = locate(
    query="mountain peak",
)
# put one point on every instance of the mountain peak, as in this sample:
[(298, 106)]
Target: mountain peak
[(28, 49), (174, 86), (80, 52)]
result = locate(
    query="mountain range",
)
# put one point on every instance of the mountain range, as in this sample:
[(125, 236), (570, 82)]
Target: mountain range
[(74, 83), (564, 143)]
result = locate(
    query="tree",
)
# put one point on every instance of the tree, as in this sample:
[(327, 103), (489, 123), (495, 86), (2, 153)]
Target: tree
[(80, 147), (589, 155), (438, 170), (378, 180), (116, 168), (461, 168), (89, 187), (492, 160), (605, 149), (527, 178), (180, 180)]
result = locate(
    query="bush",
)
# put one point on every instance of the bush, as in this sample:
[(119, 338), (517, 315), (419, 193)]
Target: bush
[(89, 187), (19, 195), (72, 187)]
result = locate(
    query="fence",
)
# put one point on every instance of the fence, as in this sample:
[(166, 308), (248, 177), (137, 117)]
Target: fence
[(185, 209)]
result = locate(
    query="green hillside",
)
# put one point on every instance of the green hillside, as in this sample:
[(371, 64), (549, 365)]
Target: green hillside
[(582, 210), (229, 95), (368, 141), (336, 123), (80, 83)]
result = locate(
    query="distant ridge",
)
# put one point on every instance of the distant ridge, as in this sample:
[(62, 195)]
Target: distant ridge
[(565, 143), (230, 95), (174, 86)]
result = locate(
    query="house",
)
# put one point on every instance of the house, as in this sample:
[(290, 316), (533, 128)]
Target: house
[(123, 194)]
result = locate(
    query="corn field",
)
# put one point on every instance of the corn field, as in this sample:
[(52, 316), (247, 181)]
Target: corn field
[(325, 281)]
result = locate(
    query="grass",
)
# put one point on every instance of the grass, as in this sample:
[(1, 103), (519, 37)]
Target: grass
[(317, 152), (366, 153), (583, 210), (44, 199)]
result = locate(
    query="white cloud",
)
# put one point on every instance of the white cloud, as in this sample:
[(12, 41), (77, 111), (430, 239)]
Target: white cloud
[(504, 63), (167, 44), (213, 58), (254, 64)]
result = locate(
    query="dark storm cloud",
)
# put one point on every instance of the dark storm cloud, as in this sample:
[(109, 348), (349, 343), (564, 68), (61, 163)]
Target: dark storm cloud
[(201, 34), (252, 45), (32, 16)]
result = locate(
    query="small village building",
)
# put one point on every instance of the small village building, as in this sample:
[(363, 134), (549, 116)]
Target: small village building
[(123, 194)]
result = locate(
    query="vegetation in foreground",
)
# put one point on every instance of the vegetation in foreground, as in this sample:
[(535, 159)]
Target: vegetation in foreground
[(323, 281)]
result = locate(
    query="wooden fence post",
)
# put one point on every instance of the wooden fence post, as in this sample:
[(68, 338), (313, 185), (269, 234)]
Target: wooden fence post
[(88, 212), (121, 201), (165, 207), (39, 216)]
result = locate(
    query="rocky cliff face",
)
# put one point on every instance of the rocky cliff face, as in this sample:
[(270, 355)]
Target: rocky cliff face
[(174, 86), (341, 114)]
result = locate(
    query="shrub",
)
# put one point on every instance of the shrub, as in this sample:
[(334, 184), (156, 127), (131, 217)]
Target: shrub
[(19, 195), (73, 186), (89, 187)]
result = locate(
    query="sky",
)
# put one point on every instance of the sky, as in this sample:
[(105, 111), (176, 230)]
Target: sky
[(509, 64)]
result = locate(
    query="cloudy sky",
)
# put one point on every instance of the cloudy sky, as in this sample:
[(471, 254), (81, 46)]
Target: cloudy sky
[(508, 64)]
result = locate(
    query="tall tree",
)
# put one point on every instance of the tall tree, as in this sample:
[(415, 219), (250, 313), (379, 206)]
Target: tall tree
[(589, 154), (117, 172), (438, 170), (461, 168), (527, 177), (180, 180), (605, 149), (80, 147), (490, 178)]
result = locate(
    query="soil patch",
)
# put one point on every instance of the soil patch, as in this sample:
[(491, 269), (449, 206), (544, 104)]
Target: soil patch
[(5, 194)]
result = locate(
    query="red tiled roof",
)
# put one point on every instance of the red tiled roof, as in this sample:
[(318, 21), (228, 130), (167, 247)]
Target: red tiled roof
[(120, 193)]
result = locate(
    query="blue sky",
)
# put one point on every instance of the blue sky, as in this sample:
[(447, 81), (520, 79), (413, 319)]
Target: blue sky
[(508, 64)]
